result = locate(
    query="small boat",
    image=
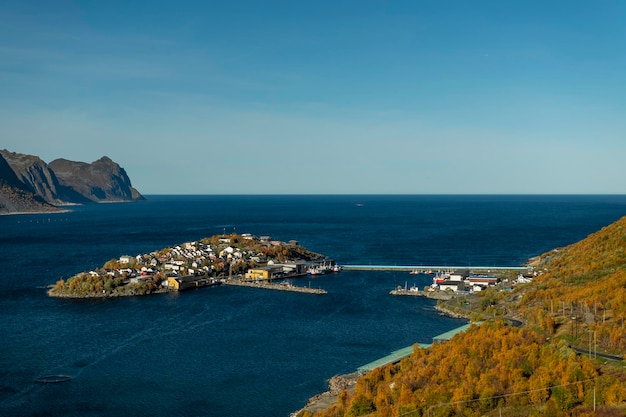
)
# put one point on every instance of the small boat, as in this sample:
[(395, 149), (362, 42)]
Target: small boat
[(323, 268), (441, 277), (53, 379)]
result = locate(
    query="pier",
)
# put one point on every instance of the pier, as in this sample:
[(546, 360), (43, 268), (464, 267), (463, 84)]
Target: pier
[(277, 287), (409, 268)]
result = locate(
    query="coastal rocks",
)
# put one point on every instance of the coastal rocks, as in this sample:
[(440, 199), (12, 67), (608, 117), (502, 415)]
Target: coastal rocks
[(336, 385), (339, 383), (445, 311)]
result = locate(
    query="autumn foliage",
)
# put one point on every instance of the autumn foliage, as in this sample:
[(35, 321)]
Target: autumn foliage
[(582, 290), (578, 298), (487, 367)]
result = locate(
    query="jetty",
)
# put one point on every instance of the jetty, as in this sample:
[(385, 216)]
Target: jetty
[(283, 286), (435, 294)]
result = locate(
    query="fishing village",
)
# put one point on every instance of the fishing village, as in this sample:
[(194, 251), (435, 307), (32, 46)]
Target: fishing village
[(237, 260)]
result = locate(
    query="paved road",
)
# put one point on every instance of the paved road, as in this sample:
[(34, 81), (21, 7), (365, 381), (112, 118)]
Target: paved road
[(602, 355)]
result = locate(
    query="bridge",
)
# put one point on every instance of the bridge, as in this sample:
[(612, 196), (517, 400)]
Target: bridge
[(432, 268)]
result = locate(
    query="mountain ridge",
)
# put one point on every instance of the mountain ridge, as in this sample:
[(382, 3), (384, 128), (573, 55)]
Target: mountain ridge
[(28, 184)]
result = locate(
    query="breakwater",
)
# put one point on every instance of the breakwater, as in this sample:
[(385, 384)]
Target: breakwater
[(436, 295), (277, 287)]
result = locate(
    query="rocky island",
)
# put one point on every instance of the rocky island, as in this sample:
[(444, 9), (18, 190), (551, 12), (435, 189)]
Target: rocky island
[(234, 258)]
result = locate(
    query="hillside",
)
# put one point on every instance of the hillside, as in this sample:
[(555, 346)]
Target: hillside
[(582, 288), (31, 185), (489, 367), (576, 303), (15, 196)]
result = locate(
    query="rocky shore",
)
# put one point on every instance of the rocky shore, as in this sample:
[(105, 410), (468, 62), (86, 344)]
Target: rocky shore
[(94, 295), (336, 385), (446, 311)]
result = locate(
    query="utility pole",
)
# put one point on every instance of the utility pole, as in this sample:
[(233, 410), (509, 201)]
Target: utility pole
[(594, 398)]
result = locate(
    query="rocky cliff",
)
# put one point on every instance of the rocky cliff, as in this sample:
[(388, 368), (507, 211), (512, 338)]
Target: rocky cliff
[(62, 182), (100, 181), (17, 197)]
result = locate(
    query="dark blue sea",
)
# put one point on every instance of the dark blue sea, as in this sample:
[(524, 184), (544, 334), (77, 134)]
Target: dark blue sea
[(230, 351)]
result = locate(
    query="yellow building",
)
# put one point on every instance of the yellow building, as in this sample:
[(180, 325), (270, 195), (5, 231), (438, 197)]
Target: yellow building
[(187, 282), (264, 273)]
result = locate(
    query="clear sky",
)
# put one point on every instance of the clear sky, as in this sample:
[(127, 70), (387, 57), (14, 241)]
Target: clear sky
[(330, 97)]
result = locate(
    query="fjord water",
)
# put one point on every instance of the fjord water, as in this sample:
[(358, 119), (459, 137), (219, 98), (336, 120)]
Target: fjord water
[(230, 351)]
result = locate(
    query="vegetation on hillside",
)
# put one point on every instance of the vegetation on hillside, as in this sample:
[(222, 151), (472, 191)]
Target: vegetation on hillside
[(492, 366), (581, 291)]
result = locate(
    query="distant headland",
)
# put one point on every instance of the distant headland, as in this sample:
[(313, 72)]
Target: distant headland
[(29, 185)]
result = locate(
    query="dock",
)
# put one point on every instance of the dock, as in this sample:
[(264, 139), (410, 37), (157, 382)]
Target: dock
[(276, 287)]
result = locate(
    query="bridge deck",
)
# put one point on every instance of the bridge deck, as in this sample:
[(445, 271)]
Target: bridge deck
[(432, 268)]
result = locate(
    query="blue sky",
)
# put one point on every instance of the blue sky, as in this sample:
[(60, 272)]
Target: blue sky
[(237, 97)]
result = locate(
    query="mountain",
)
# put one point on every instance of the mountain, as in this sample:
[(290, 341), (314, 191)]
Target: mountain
[(36, 175), (17, 197), (100, 181), (62, 182)]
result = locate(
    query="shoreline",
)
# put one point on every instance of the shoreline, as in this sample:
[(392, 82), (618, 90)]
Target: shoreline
[(435, 295), (95, 296), (445, 311), (336, 385), (14, 213)]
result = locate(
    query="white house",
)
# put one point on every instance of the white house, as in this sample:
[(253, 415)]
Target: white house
[(452, 286), (126, 259)]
